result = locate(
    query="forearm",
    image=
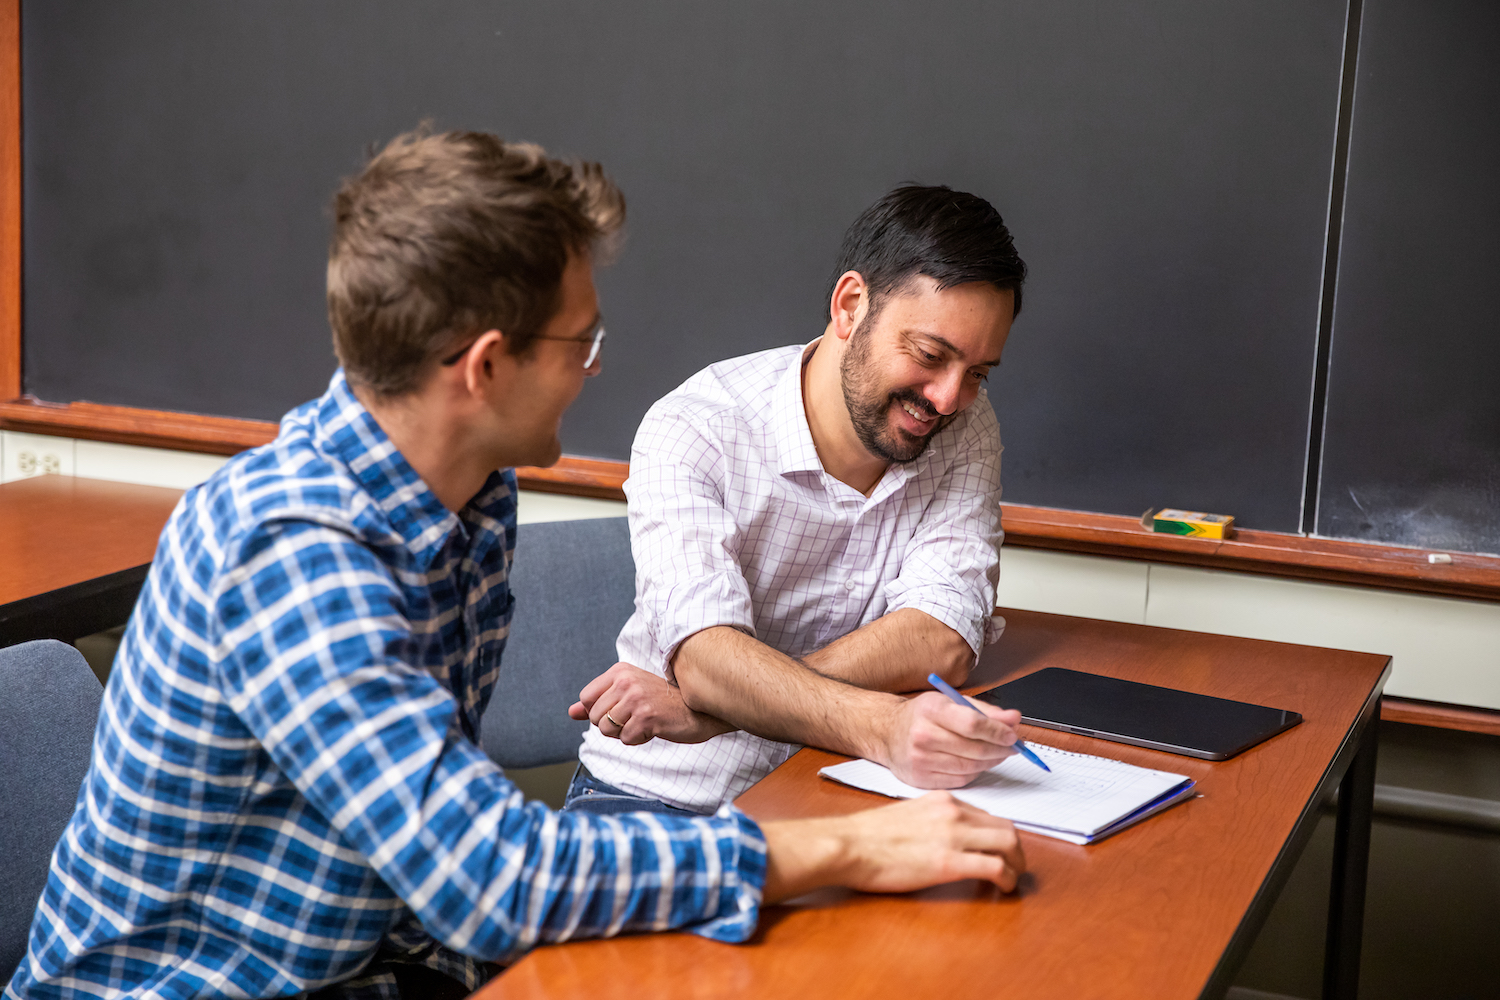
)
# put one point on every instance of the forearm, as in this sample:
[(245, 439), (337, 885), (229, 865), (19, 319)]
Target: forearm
[(896, 652), (529, 876), (804, 855), (699, 874), (724, 673)]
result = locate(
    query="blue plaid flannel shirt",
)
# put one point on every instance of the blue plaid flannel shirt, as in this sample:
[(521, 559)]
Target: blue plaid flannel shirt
[(286, 787)]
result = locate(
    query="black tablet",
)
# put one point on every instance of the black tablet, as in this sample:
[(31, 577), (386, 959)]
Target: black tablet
[(1142, 715)]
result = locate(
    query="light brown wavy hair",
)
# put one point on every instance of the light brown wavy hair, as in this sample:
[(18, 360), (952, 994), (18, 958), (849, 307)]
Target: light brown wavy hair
[(442, 237)]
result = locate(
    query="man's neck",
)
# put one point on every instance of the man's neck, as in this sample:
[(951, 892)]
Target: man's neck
[(448, 462), (839, 448)]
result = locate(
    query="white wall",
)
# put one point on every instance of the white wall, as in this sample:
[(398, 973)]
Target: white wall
[(1444, 649), (25, 455), (1069, 584), (556, 507)]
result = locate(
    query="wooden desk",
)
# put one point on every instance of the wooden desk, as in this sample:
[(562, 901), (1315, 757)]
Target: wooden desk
[(74, 553), (1166, 909)]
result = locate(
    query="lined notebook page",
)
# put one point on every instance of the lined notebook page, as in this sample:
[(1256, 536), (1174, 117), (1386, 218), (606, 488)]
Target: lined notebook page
[(1082, 796)]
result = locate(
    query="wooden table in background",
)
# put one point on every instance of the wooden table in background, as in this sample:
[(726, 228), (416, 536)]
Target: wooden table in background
[(74, 553), (1166, 909)]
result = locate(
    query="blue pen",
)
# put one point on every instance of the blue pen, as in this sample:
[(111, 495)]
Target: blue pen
[(958, 699)]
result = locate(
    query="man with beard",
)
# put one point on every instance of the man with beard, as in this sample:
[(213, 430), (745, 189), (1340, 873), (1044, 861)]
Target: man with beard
[(816, 528)]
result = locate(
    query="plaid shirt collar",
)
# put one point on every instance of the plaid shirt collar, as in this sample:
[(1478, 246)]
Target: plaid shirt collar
[(342, 428)]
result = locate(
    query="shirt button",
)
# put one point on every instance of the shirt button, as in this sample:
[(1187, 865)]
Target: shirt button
[(848, 584)]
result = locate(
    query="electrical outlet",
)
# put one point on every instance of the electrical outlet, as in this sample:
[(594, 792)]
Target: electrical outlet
[(30, 463), (28, 455)]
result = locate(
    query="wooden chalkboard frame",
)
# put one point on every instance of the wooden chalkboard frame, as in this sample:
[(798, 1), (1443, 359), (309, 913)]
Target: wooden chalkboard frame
[(1263, 552), (10, 199)]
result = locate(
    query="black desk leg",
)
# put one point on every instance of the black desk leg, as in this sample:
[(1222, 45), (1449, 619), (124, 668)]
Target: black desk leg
[(1351, 857)]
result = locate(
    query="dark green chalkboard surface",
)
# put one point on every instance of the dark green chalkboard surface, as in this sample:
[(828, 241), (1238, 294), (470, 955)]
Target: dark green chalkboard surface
[(1413, 432), (1166, 167)]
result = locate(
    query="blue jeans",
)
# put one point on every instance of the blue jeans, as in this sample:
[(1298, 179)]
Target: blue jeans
[(588, 794)]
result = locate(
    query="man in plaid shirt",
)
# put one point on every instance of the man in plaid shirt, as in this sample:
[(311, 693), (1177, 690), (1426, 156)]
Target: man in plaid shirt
[(286, 794)]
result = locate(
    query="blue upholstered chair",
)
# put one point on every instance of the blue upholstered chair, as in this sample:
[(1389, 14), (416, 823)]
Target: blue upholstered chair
[(574, 586), (49, 704)]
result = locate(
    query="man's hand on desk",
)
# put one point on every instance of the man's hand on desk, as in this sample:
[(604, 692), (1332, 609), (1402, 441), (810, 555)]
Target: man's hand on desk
[(635, 706), (933, 743), (896, 848)]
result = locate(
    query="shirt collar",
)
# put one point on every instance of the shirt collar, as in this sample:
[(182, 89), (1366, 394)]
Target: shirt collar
[(898, 474), (795, 451), (344, 429)]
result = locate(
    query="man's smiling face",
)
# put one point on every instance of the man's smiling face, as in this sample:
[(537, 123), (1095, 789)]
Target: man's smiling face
[(919, 360)]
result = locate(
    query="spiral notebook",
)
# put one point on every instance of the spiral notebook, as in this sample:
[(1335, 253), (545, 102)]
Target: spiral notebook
[(1082, 800)]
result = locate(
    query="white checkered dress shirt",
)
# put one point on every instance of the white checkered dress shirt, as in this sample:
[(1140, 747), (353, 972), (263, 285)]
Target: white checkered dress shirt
[(734, 522)]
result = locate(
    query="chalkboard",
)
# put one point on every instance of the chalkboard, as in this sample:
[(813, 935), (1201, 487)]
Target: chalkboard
[(1165, 167), (1413, 432)]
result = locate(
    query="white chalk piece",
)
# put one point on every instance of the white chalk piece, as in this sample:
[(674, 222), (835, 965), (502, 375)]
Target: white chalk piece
[(1439, 557)]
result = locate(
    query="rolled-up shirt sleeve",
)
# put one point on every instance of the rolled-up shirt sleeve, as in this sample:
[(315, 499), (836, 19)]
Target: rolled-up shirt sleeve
[(683, 536), (952, 564), (314, 648)]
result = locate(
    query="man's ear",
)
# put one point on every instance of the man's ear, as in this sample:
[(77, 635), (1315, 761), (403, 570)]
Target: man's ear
[(849, 303), (489, 361)]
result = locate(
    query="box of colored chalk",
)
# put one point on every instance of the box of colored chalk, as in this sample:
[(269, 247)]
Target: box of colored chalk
[(1192, 523)]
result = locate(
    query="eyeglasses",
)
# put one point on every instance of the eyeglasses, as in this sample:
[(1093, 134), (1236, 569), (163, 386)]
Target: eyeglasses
[(595, 338), (596, 335)]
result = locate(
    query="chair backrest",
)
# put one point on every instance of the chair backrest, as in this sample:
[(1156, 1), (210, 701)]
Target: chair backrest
[(574, 587), (49, 705)]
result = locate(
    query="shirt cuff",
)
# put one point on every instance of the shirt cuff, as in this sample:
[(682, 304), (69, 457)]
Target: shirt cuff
[(742, 854), (994, 628), (689, 608), (954, 612)]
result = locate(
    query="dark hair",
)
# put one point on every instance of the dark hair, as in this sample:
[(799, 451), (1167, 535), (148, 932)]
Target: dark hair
[(950, 236), (442, 237)]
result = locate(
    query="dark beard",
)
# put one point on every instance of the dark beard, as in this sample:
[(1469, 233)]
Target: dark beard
[(868, 414)]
